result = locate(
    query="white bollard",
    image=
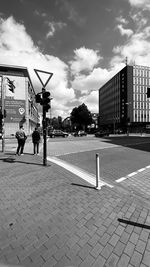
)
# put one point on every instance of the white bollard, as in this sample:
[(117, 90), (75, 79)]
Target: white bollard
[(98, 187)]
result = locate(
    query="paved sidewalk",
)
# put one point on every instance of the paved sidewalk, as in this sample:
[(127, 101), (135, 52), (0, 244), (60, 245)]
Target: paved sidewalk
[(50, 217)]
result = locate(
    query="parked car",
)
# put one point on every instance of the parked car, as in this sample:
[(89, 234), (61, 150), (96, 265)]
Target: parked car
[(102, 133), (80, 133), (58, 133)]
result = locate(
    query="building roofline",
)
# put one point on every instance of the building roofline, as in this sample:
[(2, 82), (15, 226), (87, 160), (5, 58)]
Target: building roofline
[(21, 68)]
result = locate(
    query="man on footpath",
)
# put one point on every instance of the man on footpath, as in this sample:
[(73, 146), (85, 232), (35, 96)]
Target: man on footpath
[(21, 138), (36, 140)]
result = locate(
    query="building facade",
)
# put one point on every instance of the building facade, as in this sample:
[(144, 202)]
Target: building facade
[(123, 101), (19, 104)]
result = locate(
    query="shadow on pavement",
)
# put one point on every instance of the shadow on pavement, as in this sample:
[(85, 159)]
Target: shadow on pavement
[(134, 223), (134, 142), (86, 186), (25, 159)]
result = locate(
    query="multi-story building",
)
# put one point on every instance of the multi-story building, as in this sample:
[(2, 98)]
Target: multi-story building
[(123, 101), (19, 103)]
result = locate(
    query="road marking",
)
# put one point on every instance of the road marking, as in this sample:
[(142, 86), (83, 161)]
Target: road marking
[(131, 174), (77, 171), (121, 179)]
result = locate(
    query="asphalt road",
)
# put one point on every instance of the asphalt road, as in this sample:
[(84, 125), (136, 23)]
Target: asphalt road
[(119, 156)]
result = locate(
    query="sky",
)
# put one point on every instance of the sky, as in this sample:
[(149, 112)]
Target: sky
[(82, 42)]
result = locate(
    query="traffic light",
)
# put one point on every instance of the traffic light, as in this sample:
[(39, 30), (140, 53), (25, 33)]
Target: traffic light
[(46, 101), (38, 99), (11, 85), (148, 92)]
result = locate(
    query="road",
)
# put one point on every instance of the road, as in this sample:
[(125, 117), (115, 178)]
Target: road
[(119, 156)]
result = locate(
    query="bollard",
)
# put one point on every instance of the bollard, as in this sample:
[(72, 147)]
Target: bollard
[(98, 187)]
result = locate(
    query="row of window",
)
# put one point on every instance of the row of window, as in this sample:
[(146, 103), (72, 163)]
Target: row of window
[(141, 71)]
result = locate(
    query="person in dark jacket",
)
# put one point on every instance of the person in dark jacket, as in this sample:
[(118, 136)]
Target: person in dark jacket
[(21, 138), (36, 140)]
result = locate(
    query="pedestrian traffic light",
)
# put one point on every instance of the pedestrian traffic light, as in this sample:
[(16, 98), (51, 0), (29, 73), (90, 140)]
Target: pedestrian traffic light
[(46, 101), (148, 92), (38, 99), (11, 85)]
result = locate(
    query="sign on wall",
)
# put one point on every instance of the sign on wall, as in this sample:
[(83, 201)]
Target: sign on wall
[(15, 110), (14, 100)]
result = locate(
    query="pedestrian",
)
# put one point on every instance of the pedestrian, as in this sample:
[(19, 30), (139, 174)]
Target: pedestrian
[(21, 138), (36, 140)]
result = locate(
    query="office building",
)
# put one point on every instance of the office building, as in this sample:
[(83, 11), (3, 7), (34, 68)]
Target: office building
[(123, 101), (17, 99)]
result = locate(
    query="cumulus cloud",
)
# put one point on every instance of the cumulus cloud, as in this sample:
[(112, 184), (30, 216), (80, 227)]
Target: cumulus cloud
[(84, 60), (17, 48), (93, 81), (124, 31), (144, 4)]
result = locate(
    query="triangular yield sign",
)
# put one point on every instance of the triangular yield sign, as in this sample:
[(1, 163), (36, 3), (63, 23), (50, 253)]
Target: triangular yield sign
[(50, 75)]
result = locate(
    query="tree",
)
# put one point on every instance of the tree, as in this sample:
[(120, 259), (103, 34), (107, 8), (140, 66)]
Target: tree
[(81, 117)]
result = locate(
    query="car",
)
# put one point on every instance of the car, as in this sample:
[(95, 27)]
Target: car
[(80, 133), (102, 133), (58, 133)]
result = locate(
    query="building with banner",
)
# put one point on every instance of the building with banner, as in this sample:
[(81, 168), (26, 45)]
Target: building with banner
[(123, 101), (17, 99)]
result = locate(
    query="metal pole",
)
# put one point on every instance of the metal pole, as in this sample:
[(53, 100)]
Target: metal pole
[(44, 135), (98, 187), (3, 108)]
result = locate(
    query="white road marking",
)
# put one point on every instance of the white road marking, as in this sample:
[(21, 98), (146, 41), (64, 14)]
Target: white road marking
[(121, 179), (131, 174), (77, 171)]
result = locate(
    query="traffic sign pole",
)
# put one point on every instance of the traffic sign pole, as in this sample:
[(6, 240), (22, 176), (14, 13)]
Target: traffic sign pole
[(44, 135), (44, 114)]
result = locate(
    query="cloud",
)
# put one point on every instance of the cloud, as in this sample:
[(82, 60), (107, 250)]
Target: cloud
[(84, 60), (17, 48), (93, 81), (144, 4), (123, 31), (72, 13), (121, 20), (53, 27), (91, 101)]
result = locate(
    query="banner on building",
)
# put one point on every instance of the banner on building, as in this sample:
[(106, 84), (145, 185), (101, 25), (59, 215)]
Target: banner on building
[(15, 110)]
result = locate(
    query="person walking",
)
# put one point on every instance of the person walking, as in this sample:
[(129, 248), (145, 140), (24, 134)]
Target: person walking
[(36, 140), (21, 138)]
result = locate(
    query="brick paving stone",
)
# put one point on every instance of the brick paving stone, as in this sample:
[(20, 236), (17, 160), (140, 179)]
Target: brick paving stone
[(123, 261), (129, 249), (125, 237), (104, 239), (140, 247), (107, 251), (93, 240), (87, 262), (146, 258), (83, 240), (136, 259), (96, 250), (50, 263), (148, 245), (60, 253), (144, 235), (119, 248), (112, 260), (49, 252), (84, 251), (100, 262), (134, 238)]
